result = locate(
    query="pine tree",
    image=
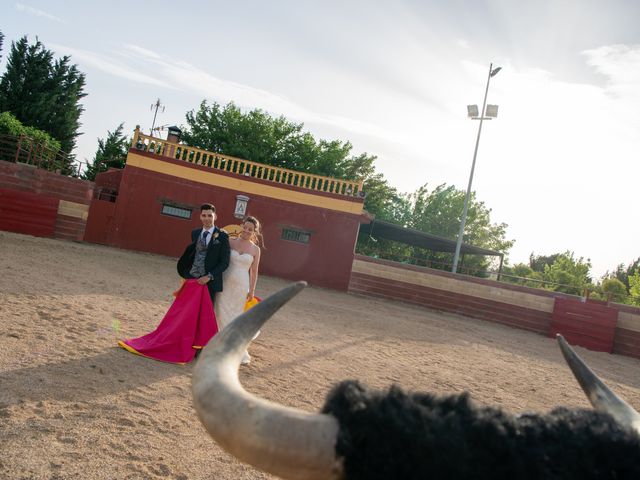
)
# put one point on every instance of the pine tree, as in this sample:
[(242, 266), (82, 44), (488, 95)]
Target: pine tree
[(43, 93), (111, 153)]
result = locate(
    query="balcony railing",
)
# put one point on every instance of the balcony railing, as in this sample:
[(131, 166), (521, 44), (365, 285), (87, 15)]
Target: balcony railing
[(226, 163)]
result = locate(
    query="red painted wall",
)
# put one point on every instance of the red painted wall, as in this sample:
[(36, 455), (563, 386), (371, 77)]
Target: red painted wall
[(110, 179), (100, 221), (588, 324), (28, 213), (139, 225), (49, 187), (18, 176)]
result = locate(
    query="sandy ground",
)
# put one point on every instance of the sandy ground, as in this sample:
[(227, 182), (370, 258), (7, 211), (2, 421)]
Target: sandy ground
[(73, 405)]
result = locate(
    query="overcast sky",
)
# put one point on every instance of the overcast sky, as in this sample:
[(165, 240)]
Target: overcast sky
[(560, 165)]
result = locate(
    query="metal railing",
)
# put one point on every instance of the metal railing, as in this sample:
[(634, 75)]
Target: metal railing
[(226, 163), (23, 149)]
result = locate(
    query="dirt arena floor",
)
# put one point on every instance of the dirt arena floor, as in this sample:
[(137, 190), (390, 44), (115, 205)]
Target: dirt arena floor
[(74, 406)]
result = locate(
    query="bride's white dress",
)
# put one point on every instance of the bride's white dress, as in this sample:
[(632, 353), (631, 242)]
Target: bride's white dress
[(235, 285)]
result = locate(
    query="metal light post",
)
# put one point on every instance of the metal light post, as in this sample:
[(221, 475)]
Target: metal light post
[(473, 114)]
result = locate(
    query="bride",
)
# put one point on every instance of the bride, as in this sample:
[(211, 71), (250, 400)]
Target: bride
[(241, 276)]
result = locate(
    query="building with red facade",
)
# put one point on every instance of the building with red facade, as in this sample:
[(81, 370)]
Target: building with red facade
[(310, 223)]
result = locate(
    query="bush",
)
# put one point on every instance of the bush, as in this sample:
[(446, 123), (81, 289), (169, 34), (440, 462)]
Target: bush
[(10, 125)]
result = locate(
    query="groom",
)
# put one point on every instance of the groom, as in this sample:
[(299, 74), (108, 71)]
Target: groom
[(208, 254)]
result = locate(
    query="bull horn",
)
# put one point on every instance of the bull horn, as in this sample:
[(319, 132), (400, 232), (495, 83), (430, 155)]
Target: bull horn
[(283, 441), (600, 396)]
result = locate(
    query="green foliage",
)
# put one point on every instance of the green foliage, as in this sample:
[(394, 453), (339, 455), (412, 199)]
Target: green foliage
[(111, 153), (254, 136), (1, 38), (521, 270), (439, 213), (560, 272), (381, 199), (10, 125), (539, 262), (259, 137), (634, 288), (569, 274), (382, 248), (43, 92), (623, 273), (614, 289), (521, 274)]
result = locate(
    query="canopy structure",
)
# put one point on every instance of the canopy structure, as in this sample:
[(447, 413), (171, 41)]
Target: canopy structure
[(416, 238)]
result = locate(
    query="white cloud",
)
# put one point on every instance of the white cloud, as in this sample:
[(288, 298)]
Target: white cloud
[(36, 12), (560, 164), (187, 77), (111, 66)]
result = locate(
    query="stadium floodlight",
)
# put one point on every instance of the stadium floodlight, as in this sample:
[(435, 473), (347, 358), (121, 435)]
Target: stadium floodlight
[(491, 112)]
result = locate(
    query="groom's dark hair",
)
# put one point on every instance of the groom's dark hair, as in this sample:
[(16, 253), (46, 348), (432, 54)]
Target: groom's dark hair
[(207, 206)]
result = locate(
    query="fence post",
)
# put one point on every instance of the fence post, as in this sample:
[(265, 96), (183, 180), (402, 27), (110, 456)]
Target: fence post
[(19, 147)]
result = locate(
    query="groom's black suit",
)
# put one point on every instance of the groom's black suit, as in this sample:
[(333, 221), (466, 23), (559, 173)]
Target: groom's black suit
[(215, 262)]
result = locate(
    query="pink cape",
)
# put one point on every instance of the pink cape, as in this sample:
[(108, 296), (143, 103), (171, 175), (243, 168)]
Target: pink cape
[(188, 325)]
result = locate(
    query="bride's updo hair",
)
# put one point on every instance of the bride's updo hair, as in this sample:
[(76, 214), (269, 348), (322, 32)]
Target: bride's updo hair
[(257, 232)]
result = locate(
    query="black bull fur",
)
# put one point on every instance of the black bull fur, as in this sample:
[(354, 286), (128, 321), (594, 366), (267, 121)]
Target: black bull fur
[(422, 436)]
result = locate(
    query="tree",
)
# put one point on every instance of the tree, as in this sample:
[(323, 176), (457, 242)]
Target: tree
[(439, 212), (634, 288), (111, 153), (539, 262), (1, 38), (614, 289), (254, 136), (568, 274), (623, 273), (381, 199), (522, 274), (43, 92), (259, 137)]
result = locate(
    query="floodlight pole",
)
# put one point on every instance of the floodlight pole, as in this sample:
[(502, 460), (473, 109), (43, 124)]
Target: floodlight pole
[(456, 256)]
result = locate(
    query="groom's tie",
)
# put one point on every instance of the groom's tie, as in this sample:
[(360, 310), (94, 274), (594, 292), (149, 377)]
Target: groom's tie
[(204, 237)]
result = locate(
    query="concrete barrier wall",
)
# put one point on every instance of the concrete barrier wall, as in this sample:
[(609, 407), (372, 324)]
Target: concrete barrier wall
[(627, 338), (513, 305)]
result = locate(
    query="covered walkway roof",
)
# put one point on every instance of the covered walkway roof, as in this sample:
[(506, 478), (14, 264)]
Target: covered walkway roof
[(416, 238)]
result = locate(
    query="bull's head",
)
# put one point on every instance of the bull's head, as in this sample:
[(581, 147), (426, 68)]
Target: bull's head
[(295, 444)]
